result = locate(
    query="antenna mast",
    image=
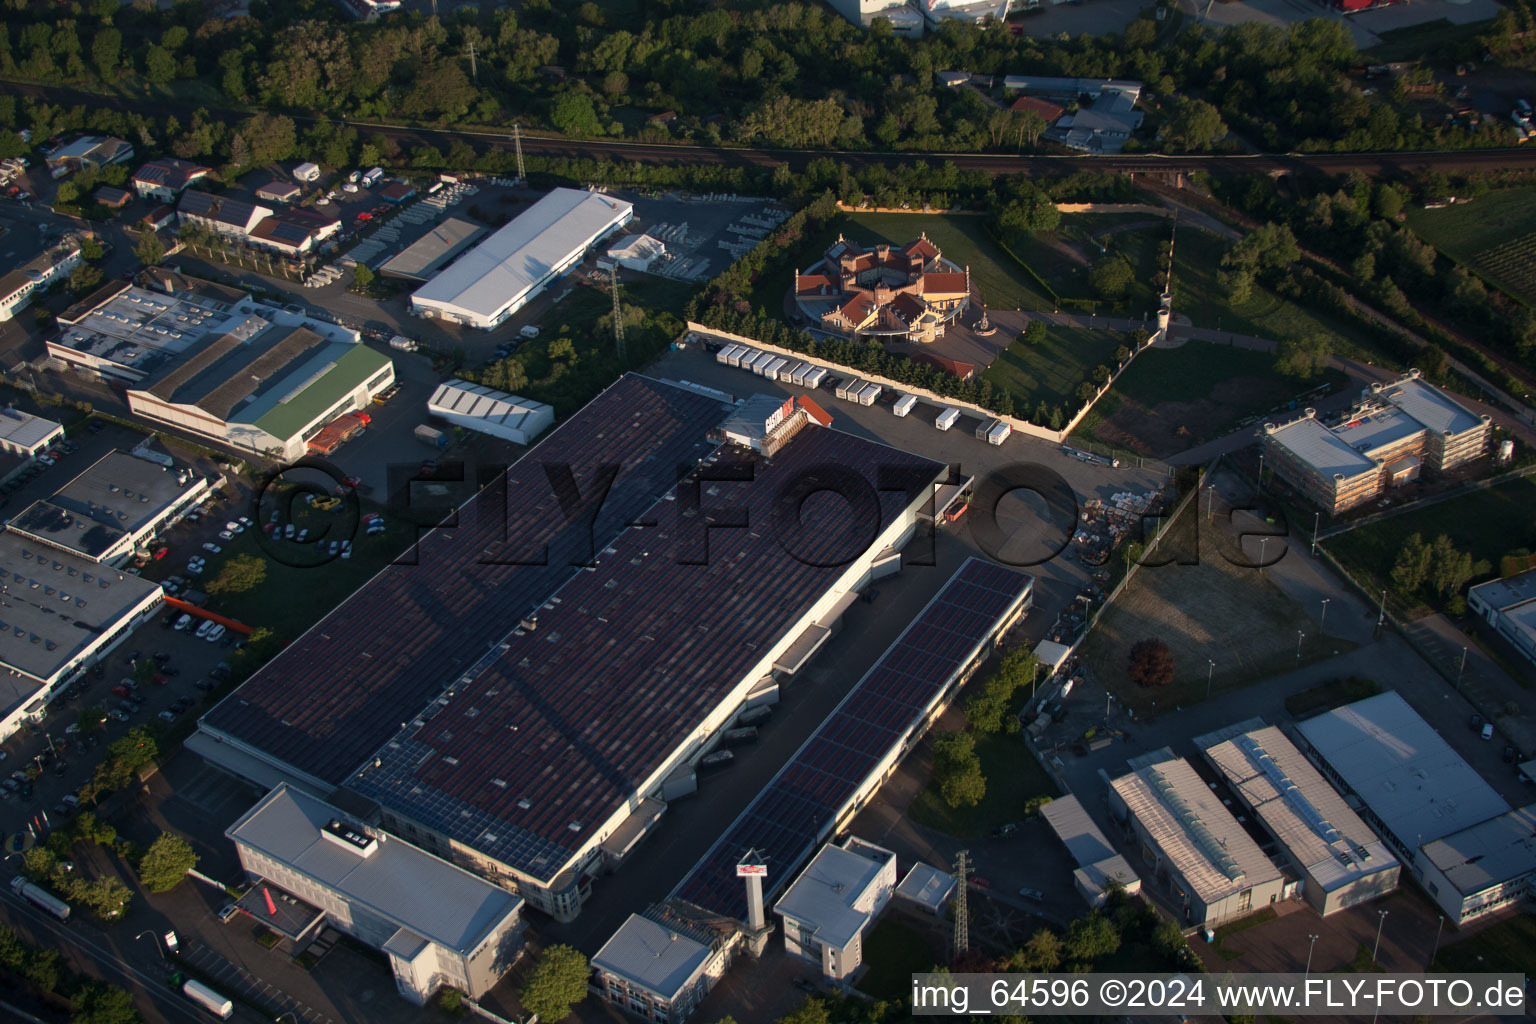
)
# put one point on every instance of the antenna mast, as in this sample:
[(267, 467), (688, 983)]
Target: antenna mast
[(962, 913)]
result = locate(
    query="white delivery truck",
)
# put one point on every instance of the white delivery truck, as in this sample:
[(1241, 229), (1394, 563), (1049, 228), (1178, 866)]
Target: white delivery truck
[(849, 388), (904, 405), (787, 375), (997, 432), (724, 355), (798, 378), (869, 393), (947, 419), (208, 999), (771, 368), (815, 377)]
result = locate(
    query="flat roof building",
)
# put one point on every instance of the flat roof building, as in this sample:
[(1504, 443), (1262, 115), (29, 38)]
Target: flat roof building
[(112, 509), (88, 151), (1341, 861), (211, 361), (927, 888), (22, 433), (659, 966), (634, 252), (543, 706), (1214, 869), (831, 906), (60, 614), (1509, 608), (1412, 786), (1386, 439), (496, 278), (488, 411), (438, 924), (1483, 868), (1099, 866), (429, 253)]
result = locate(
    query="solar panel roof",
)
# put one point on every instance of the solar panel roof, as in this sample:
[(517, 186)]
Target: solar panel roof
[(530, 754), (789, 817), (344, 688)]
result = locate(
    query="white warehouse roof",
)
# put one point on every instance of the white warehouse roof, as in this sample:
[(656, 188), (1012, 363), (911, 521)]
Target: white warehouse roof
[(501, 271), (494, 412), (1418, 788), (1300, 808), (25, 430), (1488, 854), (1201, 839)]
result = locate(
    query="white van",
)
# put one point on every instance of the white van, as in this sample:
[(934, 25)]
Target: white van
[(202, 630), (214, 634)]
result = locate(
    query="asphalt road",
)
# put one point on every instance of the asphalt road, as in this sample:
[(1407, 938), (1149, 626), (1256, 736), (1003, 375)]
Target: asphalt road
[(1038, 164)]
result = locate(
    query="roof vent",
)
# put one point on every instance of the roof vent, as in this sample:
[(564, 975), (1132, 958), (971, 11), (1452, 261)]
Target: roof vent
[(525, 804)]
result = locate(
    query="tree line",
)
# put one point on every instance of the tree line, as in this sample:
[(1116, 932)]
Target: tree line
[(791, 74)]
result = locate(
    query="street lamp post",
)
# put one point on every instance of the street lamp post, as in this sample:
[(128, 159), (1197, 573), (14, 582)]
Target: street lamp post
[(1436, 948), (1300, 636), (1263, 547), (152, 938), (1324, 618), (1209, 674), (1462, 669), (1311, 944), (1261, 474), (1316, 518), (1381, 612), (1381, 920)]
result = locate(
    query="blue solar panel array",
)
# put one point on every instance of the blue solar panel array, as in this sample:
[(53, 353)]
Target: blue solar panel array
[(797, 808), (335, 695)]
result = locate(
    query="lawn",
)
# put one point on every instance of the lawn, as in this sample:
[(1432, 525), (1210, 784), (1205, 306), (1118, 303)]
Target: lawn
[(1495, 236), (1064, 258), (1210, 611), (1490, 523), (1052, 370), (1171, 399), (1506, 947), (895, 952), (1198, 295), (1013, 776)]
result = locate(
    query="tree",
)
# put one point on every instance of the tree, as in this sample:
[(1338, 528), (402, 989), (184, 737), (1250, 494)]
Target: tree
[(1195, 125), (1151, 663), (99, 1003), (1111, 277), (1450, 567), (362, 277), (813, 1011), (240, 574), (91, 248), (1034, 333), (1041, 954), (159, 65), (573, 114), (556, 984), (84, 279), (90, 719), (1304, 358), (957, 769), (166, 863), (1091, 937), (149, 249), (1411, 569)]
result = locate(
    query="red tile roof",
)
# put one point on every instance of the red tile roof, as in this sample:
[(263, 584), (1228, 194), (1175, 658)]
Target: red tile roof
[(813, 410), (952, 366), (1047, 110), (945, 282), (811, 284), (922, 247)]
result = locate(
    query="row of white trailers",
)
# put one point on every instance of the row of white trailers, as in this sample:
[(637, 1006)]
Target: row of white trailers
[(862, 392), (774, 367)]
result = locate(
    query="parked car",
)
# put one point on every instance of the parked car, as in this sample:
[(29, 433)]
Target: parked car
[(1475, 723), (119, 714), (234, 526), (120, 690), (1004, 831), (204, 628), (1487, 732), (211, 547), (1033, 895), (214, 633), (204, 685), (1511, 755), (167, 716), (224, 535)]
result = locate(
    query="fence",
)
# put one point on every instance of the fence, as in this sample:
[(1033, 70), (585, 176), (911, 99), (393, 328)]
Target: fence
[(1022, 426)]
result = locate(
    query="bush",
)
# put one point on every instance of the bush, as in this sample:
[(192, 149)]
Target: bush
[(1151, 663), (166, 863), (451, 1002)]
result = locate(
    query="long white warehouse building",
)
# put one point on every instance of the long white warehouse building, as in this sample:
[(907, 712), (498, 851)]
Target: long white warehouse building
[(497, 277)]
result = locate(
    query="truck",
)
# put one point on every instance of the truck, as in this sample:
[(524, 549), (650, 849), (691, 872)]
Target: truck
[(791, 367), (815, 376), (431, 436), (40, 897), (995, 432), (904, 405), (220, 1006), (946, 419), (372, 178), (870, 392), (771, 368), (740, 354), (724, 355), (403, 344), (849, 389)]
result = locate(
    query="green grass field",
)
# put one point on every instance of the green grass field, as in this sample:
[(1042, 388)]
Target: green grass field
[(1490, 523), (895, 952), (1052, 370), (1198, 295), (1508, 946), (1495, 236), (1013, 776), (1064, 258)]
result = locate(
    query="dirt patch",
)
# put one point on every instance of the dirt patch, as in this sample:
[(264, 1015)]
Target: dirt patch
[(1167, 428)]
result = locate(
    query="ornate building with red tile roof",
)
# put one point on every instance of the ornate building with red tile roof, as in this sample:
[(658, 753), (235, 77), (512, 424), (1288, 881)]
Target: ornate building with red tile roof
[(909, 293)]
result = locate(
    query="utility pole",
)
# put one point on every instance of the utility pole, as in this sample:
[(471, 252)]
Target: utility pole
[(474, 71), (962, 915), (517, 143), (618, 314)]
